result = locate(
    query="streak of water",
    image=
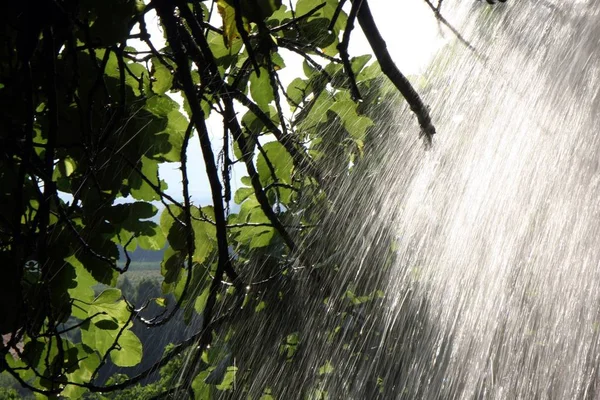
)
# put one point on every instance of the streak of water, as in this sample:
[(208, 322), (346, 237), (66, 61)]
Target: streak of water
[(494, 287), (499, 227)]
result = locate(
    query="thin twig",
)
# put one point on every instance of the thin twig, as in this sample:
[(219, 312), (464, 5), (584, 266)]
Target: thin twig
[(440, 17), (343, 49)]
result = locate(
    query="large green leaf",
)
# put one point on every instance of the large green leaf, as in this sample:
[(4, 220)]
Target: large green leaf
[(83, 293), (163, 78), (260, 89), (110, 304), (204, 233), (355, 124), (230, 29), (200, 387), (326, 12), (252, 235), (152, 241), (200, 302), (296, 92), (129, 352), (280, 161), (172, 265)]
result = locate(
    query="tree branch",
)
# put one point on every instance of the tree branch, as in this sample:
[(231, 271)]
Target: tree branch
[(389, 68), (343, 47)]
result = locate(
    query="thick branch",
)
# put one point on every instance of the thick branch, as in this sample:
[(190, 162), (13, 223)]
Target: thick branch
[(210, 74), (389, 68), (166, 10)]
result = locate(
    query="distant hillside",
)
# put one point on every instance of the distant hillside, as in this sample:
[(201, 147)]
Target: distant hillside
[(141, 255)]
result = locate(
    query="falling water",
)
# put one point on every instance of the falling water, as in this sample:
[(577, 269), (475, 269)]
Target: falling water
[(493, 290), (498, 228)]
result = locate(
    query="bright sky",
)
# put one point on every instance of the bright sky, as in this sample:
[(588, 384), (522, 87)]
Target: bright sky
[(412, 35)]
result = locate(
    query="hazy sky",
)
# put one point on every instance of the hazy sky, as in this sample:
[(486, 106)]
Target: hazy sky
[(412, 35)]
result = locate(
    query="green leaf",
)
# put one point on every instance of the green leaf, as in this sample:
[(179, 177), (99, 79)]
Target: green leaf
[(308, 69), (108, 296), (242, 194), (141, 73), (290, 347), (267, 395), (316, 30), (171, 267), (296, 92), (129, 352), (318, 112), (201, 389), (230, 29), (152, 238), (177, 287), (83, 293), (204, 233), (280, 16), (224, 50), (246, 180), (200, 302), (280, 160), (177, 124), (252, 124), (163, 78), (260, 306), (260, 89), (326, 12), (358, 63), (326, 369), (355, 124), (177, 236), (228, 379), (88, 362), (370, 72), (110, 314), (252, 236), (161, 105), (109, 302), (278, 62), (139, 188)]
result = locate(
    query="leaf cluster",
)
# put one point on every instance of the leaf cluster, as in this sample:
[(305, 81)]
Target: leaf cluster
[(87, 119)]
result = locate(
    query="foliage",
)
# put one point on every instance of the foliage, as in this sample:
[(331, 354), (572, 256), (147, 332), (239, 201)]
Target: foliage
[(86, 119), (9, 394)]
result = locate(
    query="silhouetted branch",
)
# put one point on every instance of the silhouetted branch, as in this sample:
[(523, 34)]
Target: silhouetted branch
[(336, 14), (239, 24), (343, 46), (389, 68)]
